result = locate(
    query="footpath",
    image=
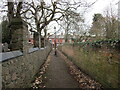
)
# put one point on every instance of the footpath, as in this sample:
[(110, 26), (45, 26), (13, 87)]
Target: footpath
[(59, 72), (58, 75)]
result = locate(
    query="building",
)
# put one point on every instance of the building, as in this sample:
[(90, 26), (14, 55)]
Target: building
[(30, 38), (59, 39)]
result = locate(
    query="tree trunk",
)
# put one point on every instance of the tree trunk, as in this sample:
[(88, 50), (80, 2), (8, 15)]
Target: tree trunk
[(10, 11), (19, 7), (36, 39)]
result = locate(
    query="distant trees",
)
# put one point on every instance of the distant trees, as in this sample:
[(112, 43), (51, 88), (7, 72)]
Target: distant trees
[(111, 26), (73, 19), (98, 26), (39, 13), (42, 14), (105, 26), (111, 23), (71, 23)]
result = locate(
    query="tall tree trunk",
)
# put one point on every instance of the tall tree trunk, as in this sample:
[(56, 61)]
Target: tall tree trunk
[(45, 32), (19, 7), (10, 11), (66, 35), (36, 39)]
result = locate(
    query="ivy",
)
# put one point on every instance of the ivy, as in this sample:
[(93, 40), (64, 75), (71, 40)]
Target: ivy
[(113, 43)]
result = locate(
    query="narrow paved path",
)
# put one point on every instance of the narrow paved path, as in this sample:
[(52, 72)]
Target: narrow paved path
[(58, 74)]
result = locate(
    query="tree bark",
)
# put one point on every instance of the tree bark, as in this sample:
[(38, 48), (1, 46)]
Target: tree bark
[(10, 11)]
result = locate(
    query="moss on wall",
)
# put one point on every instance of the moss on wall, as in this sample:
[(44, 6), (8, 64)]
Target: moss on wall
[(101, 64)]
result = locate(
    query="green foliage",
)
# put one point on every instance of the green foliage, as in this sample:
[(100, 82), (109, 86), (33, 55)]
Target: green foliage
[(111, 43), (5, 32), (97, 17), (104, 27), (111, 27), (97, 25), (16, 23)]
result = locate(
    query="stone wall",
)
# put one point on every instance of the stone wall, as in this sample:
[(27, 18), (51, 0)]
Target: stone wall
[(18, 69), (98, 63)]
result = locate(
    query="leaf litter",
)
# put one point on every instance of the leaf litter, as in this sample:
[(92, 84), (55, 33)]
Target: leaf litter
[(38, 82), (83, 79)]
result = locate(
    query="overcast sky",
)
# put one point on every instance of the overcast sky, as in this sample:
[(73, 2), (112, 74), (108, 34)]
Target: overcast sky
[(99, 7)]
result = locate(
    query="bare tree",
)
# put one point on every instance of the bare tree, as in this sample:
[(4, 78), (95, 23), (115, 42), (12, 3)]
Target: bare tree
[(111, 23), (71, 23), (72, 19), (57, 10), (42, 14)]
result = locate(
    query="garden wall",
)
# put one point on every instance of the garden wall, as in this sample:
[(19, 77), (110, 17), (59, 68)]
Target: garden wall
[(18, 69), (101, 64)]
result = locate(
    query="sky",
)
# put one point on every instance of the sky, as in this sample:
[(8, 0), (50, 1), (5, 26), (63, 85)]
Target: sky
[(98, 7)]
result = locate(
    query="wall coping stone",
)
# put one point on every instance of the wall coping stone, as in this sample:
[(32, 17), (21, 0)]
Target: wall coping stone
[(43, 48), (9, 55), (4, 56), (36, 49), (33, 49)]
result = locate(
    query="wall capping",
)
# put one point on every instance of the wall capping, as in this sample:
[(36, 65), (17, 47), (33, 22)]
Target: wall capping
[(4, 56), (19, 72), (10, 55), (33, 49)]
